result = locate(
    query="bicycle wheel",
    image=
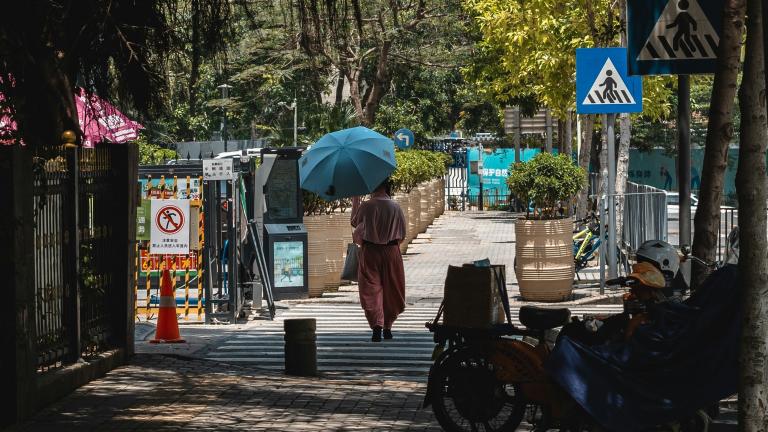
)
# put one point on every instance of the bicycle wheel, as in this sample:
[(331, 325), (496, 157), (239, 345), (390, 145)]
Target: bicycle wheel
[(468, 397)]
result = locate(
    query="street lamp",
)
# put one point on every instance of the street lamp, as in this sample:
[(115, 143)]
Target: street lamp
[(224, 95), (294, 107)]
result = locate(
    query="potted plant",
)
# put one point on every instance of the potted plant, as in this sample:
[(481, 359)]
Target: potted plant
[(543, 246)]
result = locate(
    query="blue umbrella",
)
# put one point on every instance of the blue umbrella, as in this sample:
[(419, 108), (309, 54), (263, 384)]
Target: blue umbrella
[(346, 163)]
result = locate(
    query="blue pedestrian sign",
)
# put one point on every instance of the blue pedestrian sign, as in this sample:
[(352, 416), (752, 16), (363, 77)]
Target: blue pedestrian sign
[(602, 83), (404, 139), (668, 37)]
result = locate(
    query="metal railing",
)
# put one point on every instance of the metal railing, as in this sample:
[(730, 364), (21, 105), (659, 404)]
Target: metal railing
[(729, 218), (645, 216)]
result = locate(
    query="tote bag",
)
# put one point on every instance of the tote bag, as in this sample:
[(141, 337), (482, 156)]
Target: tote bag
[(350, 264)]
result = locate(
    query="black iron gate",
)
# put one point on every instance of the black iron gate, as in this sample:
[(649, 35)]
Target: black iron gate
[(456, 189), (69, 219)]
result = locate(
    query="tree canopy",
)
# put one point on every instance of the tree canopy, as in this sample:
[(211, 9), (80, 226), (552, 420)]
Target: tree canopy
[(113, 47), (527, 52)]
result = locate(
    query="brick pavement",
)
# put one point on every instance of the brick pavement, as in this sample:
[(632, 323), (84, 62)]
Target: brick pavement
[(164, 393)]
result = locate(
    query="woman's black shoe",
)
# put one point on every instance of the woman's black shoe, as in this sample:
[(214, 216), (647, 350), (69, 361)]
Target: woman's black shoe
[(376, 334), (387, 334)]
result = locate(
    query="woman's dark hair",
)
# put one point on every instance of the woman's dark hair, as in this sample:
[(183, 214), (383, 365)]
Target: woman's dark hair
[(387, 185)]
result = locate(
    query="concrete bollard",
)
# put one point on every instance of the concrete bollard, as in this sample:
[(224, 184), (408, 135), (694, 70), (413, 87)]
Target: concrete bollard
[(300, 347)]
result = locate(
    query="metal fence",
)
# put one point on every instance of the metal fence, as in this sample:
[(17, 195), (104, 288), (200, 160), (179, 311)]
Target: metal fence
[(729, 218), (492, 200), (69, 218), (645, 215), (73, 245), (50, 181)]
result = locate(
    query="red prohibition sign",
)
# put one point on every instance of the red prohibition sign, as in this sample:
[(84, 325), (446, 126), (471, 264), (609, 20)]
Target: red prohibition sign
[(170, 219)]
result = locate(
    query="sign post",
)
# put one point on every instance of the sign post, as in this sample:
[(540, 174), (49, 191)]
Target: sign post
[(667, 37), (603, 86)]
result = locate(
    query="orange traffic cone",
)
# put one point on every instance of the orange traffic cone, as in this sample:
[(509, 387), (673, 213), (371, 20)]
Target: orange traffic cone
[(167, 326)]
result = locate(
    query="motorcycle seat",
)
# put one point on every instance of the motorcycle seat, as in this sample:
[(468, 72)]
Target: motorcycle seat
[(536, 318)]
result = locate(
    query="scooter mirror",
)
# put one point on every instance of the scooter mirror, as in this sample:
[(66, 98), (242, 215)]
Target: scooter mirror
[(685, 249)]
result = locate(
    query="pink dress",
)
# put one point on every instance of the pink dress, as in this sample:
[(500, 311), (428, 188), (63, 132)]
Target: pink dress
[(379, 228)]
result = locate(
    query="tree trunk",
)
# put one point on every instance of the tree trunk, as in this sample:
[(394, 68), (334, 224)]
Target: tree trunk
[(719, 136), (339, 89), (622, 167), (625, 131), (585, 155), (380, 82), (567, 137), (753, 265), (355, 96), (194, 72), (603, 189)]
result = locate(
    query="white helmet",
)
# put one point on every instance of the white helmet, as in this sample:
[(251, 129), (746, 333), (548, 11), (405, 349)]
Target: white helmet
[(661, 254)]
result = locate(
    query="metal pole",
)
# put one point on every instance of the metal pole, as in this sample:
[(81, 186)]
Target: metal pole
[(295, 121), (684, 161), (611, 191), (224, 96), (480, 175), (224, 129), (480, 194), (465, 179), (601, 217), (578, 137)]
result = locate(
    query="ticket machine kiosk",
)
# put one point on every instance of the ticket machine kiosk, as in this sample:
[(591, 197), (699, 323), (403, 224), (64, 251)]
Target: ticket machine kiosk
[(280, 206)]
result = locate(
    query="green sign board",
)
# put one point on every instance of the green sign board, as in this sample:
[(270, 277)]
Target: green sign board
[(143, 211)]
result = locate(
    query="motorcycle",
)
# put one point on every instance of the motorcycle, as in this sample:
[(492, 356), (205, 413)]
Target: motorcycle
[(651, 365)]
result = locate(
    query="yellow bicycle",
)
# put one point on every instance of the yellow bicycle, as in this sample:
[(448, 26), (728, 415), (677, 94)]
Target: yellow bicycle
[(586, 242)]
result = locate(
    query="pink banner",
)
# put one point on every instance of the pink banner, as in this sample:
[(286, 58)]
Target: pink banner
[(99, 121)]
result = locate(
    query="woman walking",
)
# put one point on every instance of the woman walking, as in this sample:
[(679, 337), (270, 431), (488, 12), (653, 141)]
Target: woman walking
[(379, 228)]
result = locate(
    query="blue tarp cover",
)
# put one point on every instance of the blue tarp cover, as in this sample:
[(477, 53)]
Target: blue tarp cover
[(686, 359)]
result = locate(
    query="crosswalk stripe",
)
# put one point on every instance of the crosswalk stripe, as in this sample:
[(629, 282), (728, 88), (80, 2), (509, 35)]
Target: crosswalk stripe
[(343, 341)]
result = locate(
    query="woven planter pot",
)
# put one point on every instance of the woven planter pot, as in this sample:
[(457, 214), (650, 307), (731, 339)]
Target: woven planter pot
[(441, 196), (334, 236), (338, 224), (316, 286), (434, 197), (403, 201), (345, 229), (414, 213), (332, 278), (424, 217), (317, 228), (544, 259)]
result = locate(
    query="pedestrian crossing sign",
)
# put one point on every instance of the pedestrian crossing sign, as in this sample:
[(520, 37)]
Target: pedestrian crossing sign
[(673, 36), (602, 83)]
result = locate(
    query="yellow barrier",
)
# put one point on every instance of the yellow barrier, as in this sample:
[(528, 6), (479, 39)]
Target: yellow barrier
[(148, 310)]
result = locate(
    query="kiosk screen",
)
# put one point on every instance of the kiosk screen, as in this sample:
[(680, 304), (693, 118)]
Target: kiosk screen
[(282, 199), (289, 263)]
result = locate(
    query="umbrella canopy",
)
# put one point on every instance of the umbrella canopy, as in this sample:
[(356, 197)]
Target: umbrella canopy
[(347, 163), (99, 121)]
